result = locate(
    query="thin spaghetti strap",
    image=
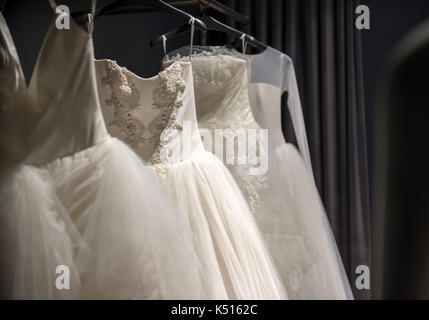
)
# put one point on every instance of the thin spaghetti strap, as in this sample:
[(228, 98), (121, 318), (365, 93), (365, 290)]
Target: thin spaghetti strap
[(243, 43), (91, 16), (53, 4), (192, 23)]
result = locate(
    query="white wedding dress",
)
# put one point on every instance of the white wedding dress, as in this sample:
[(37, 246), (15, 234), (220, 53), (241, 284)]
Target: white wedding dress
[(271, 74), (284, 200), (73, 197), (156, 117)]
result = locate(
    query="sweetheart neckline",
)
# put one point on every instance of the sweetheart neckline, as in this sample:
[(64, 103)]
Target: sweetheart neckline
[(170, 123), (135, 75)]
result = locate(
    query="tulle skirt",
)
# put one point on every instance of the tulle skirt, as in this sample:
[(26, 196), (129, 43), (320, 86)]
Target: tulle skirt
[(225, 230), (95, 225), (36, 237), (297, 232)]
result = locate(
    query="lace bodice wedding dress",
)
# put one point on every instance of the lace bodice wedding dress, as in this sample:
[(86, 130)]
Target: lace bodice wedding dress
[(156, 117), (72, 197), (284, 199), (272, 74), (221, 95)]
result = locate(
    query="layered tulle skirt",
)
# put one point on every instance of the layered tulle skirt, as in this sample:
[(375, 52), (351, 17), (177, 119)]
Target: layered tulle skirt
[(292, 219), (95, 225), (36, 237), (225, 231)]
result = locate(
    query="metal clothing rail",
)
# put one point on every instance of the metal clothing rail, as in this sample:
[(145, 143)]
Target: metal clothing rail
[(203, 4), (216, 5)]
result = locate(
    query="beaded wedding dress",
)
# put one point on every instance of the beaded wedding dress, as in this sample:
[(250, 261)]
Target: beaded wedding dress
[(156, 117), (283, 197), (75, 202)]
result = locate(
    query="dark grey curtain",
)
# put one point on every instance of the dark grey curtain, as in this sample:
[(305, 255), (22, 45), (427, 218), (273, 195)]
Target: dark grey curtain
[(320, 36)]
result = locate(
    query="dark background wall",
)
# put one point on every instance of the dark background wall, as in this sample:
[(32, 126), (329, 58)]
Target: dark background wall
[(390, 21), (124, 38)]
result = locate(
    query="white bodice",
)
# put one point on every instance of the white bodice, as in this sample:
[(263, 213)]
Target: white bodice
[(223, 108), (155, 116), (58, 113)]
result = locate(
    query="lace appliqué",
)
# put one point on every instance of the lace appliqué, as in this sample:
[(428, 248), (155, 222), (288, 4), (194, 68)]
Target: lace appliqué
[(297, 269), (216, 72), (227, 76), (251, 185), (254, 184), (213, 72), (167, 99), (125, 101), (199, 52), (228, 117)]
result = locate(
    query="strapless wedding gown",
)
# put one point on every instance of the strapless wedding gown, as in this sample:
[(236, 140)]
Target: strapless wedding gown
[(283, 199), (156, 117), (72, 197)]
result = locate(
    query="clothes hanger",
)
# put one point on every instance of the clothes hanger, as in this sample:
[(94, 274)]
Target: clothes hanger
[(225, 10), (212, 25), (210, 4), (137, 6)]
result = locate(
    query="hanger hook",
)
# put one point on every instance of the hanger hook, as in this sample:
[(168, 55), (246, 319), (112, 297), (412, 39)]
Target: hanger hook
[(192, 23), (164, 44), (243, 43)]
